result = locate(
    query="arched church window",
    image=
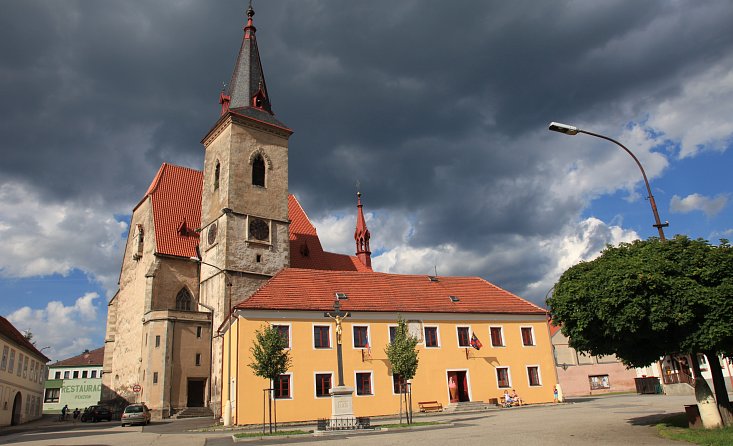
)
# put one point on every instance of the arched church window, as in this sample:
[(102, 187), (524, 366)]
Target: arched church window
[(258, 171), (217, 172), (184, 301)]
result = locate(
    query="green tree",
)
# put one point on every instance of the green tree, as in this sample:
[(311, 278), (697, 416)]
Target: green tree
[(403, 356), (270, 358), (646, 299)]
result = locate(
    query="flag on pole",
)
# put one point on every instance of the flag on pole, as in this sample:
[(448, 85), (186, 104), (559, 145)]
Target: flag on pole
[(475, 343), (368, 348)]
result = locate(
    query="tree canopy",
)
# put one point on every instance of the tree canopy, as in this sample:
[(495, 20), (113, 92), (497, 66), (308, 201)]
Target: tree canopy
[(402, 353), (269, 355), (649, 298)]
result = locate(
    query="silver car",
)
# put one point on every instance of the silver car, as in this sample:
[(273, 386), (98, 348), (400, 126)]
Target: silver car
[(135, 414)]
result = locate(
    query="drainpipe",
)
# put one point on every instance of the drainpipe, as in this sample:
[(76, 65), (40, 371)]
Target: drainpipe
[(211, 352), (170, 383)]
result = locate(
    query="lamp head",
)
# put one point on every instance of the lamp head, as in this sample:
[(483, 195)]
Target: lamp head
[(563, 128)]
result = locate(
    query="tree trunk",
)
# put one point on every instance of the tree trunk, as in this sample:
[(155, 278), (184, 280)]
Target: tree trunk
[(721, 392)]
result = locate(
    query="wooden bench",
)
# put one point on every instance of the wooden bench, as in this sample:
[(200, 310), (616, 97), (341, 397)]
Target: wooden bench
[(428, 406)]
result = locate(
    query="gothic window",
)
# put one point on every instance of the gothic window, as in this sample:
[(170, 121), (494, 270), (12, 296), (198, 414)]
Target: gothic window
[(258, 171), (184, 300), (217, 172)]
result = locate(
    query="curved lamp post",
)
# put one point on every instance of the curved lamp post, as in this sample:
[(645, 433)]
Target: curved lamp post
[(571, 130)]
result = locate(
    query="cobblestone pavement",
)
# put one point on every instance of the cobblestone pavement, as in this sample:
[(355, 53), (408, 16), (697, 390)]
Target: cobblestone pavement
[(610, 420)]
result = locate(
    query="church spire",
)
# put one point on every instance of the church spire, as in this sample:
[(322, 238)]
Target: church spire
[(361, 235), (247, 89)]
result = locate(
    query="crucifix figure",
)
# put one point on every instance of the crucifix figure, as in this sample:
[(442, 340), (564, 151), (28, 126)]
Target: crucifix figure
[(338, 316)]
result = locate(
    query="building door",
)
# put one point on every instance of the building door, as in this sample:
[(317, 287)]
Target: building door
[(17, 406), (196, 388), (458, 386)]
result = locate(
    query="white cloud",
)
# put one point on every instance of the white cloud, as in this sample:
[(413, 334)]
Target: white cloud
[(66, 330), (542, 257), (698, 117), (42, 238), (697, 202)]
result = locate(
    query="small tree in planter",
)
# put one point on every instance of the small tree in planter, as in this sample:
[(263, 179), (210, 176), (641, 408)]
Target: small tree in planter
[(403, 356), (270, 358)]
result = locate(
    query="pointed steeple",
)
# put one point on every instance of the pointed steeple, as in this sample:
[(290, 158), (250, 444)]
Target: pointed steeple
[(361, 235), (247, 89)]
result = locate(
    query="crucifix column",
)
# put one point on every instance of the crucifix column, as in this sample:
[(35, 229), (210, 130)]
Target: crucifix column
[(342, 405)]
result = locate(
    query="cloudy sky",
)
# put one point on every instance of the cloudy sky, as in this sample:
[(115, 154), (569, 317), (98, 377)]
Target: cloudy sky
[(438, 109)]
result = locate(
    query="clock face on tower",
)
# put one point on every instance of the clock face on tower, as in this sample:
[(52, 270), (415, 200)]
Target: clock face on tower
[(259, 229), (212, 233)]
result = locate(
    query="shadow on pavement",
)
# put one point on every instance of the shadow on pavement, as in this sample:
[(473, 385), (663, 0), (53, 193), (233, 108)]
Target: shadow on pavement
[(651, 420)]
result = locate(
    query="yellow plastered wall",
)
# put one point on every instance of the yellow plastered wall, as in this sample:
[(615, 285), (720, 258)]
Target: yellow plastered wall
[(429, 384)]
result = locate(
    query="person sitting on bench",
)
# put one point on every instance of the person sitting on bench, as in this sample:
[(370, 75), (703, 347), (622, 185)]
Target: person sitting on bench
[(516, 400)]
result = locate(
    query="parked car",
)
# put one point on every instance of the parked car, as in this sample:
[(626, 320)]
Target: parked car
[(96, 413), (135, 414)]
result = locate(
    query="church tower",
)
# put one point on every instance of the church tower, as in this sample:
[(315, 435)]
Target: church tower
[(244, 205)]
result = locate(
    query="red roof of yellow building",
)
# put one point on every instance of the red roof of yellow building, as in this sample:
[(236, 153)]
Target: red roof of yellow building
[(302, 289)]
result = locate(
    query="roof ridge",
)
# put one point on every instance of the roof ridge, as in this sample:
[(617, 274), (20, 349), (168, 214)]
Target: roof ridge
[(521, 298)]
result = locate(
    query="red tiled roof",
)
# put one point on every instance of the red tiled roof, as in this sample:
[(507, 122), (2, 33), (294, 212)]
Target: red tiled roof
[(554, 328), (302, 289), (94, 357), (9, 331), (176, 198), (305, 247)]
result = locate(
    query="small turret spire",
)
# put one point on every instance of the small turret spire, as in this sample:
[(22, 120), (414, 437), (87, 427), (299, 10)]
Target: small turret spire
[(362, 235)]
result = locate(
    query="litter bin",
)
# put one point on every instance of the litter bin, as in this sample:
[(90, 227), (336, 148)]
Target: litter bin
[(693, 416)]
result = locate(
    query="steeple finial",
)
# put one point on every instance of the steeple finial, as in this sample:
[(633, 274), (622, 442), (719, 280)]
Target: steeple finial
[(362, 235)]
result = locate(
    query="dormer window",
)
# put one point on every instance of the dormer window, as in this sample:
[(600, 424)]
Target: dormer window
[(258, 171)]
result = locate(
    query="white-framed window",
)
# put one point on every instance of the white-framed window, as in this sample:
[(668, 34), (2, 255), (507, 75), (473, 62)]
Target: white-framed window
[(322, 336), (52, 396), (285, 330), (503, 378), (397, 382), (4, 361), (463, 333), (432, 336), (363, 383), (360, 334), (392, 330), (497, 336), (283, 389), (533, 376), (323, 384), (527, 336)]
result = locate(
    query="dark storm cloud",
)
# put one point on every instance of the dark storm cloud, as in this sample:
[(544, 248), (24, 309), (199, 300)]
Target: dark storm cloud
[(433, 106)]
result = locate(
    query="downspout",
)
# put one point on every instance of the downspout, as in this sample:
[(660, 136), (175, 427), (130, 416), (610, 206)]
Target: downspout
[(170, 384), (211, 351)]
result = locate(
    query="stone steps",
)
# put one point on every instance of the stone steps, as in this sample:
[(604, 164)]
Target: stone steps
[(193, 412), (468, 406)]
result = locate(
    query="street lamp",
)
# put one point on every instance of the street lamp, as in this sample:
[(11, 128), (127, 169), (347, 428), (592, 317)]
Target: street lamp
[(572, 130)]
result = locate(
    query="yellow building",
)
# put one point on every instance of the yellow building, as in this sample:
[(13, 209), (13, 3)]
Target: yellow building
[(445, 313)]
